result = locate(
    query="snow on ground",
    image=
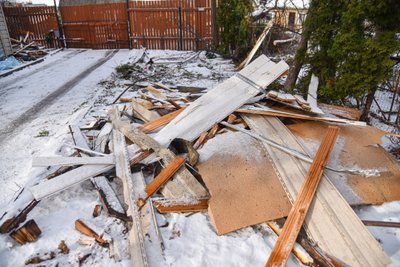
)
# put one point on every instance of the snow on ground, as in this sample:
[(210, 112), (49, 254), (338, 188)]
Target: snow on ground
[(189, 239)]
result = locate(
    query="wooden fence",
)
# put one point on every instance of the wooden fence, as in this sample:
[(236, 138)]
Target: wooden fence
[(96, 26), (171, 24), (158, 24), (39, 21)]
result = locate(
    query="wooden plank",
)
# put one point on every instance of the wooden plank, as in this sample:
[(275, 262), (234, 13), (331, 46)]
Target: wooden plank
[(86, 230), (272, 112), (257, 45), (164, 175), (297, 214), (142, 113), (71, 161), (29, 232), (171, 205), (161, 179), (331, 222), (154, 124), (221, 101), (122, 169)]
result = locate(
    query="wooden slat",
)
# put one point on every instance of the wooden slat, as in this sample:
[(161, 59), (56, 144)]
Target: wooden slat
[(297, 214), (154, 124), (168, 206), (138, 110), (283, 114), (164, 175), (71, 161), (331, 222), (122, 169)]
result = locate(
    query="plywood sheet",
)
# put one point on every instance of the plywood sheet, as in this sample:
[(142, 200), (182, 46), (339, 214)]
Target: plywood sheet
[(357, 151), (244, 187)]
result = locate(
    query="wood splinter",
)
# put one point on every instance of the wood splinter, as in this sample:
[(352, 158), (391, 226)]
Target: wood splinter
[(86, 230), (29, 232)]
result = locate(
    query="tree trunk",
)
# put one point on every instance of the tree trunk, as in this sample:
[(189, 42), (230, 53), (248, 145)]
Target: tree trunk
[(297, 64), (368, 104)]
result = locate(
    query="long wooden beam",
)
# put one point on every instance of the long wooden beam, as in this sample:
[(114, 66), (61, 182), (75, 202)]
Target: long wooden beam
[(297, 214)]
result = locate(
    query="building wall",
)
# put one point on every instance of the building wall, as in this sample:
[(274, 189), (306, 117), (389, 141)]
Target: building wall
[(290, 18), (5, 43)]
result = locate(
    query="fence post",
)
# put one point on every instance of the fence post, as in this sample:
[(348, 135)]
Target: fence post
[(129, 25), (180, 44), (215, 31), (60, 27)]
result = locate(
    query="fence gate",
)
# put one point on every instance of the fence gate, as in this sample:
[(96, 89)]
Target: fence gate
[(39, 21), (171, 24)]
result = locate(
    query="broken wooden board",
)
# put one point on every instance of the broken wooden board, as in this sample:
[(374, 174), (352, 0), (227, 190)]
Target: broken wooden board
[(122, 169), (86, 230), (331, 222), (29, 232), (221, 101), (357, 150), (138, 110), (244, 187), (109, 198), (266, 111), (161, 121), (180, 206), (298, 212), (184, 184), (71, 161), (257, 45)]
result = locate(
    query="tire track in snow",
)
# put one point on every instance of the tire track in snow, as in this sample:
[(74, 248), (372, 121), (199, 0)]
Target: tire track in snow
[(34, 111), (5, 85)]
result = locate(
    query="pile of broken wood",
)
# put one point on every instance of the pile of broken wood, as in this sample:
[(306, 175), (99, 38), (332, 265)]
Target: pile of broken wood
[(27, 50), (161, 134)]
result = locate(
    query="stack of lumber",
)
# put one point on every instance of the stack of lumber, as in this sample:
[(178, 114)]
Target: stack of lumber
[(26, 49)]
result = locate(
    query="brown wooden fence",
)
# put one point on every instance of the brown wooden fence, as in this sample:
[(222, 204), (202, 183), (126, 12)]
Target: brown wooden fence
[(96, 26), (39, 21), (158, 24), (171, 24)]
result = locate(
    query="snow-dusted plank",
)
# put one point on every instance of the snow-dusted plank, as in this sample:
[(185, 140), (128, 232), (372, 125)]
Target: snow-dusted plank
[(109, 198), (221, 101), (123, 171), (331, 222), (142, 113), (68, 179), (79, 138), (103, 137), (71, 161)]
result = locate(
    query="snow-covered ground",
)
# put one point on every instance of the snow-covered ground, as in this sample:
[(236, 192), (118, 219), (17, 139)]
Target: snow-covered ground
[(189, 239)]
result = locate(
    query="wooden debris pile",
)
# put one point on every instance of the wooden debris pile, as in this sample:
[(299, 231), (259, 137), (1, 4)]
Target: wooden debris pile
[(143, 157), (27, 50)]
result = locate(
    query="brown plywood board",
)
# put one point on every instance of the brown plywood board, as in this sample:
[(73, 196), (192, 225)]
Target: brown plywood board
[(357, 151), (244, 187)]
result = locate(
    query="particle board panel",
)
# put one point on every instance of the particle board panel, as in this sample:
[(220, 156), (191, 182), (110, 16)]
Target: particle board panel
[(330, 222), (244, 187)]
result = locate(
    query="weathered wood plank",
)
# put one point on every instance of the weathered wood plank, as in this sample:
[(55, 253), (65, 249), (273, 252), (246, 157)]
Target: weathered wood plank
[(142, 113), (221, 101), (71, 161), (122, 168), (331, 222), (297, 214)]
